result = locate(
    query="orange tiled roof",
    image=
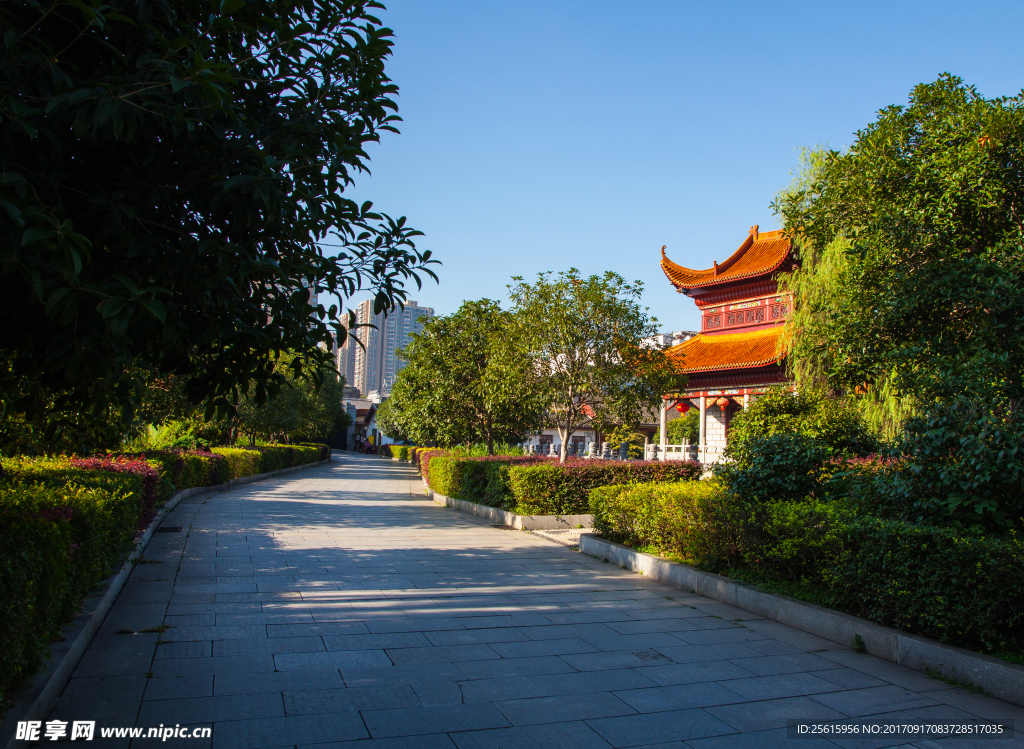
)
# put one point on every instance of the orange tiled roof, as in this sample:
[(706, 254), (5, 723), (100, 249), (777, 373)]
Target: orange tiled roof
[(705, 353), (761, 252)]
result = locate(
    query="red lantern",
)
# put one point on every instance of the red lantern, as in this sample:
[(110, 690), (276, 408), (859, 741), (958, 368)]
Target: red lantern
[(682, 407), (722, 402)]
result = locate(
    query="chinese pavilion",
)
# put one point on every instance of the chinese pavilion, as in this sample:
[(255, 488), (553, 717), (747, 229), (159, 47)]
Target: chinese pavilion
[(737, 353)]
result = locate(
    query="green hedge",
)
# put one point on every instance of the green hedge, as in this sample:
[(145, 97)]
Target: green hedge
[(250, 461), (64, 525), (480, 479), (184, 469), (933, 581), (530, 485), (564, 489), (241, 462)]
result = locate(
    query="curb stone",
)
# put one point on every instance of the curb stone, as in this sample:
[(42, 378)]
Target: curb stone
[(35, 701), (996, 677), (519, 522)]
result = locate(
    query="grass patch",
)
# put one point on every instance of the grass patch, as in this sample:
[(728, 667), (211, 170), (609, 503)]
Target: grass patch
[(967, 686)]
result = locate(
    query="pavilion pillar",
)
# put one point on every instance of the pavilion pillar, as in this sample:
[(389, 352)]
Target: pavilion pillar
[(663, 425), (703, 428), (746, 401)]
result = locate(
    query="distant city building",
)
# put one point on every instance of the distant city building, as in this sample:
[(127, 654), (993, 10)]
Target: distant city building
[(374, 366), (667, 340)]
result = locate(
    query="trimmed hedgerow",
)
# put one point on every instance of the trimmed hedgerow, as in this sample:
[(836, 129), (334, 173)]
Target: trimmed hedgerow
[(124, 473), (184, 469), (423, 458), (938, 582), (241, 461), (250, 461), (564, 489), (481, 479), (934, 581), (64, 525)]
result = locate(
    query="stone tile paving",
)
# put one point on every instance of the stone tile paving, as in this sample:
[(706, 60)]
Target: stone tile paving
[(337, 607)]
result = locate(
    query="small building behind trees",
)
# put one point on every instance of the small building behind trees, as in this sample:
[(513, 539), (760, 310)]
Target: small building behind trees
[(738, 352)]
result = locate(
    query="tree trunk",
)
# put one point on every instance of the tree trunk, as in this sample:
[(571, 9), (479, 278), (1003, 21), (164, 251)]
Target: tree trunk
[(490, 436), (564, 434)]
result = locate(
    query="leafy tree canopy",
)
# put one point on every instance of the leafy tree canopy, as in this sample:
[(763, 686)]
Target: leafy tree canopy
[(587, 340), (911, 294), (170, 176), (303, 411), (685, 429), (467, 379), (912, 283), (832, 423)]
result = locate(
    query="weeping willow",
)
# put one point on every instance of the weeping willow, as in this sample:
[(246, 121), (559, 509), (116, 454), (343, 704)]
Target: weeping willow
[(829, 308)]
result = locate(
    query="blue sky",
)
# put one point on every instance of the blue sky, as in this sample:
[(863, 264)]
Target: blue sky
[(539, 136)]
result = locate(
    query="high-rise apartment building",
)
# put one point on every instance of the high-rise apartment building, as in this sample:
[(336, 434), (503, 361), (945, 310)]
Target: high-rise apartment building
[(375, 365)]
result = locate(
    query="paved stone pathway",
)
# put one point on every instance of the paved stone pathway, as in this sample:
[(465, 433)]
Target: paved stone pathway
[(337, 607)]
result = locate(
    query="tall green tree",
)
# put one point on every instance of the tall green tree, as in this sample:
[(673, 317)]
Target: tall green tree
[(587, 339), (911, 293), (171, 195), (911, 241), (467, 378), (301, 411)]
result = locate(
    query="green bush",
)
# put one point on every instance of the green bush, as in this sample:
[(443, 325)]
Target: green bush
[(777, 466), (832, 422), (960, 464), (961, 589), (180, 469), (685, 428), (483, 479), (250, 461), (691, 520), (63, 528), (445, 476), (241, 462), (564, 489), (933, 581)]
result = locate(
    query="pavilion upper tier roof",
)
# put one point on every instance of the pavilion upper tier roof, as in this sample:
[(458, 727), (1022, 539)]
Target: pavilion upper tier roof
[(706, 353), (760, 253)]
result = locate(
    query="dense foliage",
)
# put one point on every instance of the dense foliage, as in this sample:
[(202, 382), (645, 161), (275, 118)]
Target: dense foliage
[(303, 410), (685, 429), (933, 581), (834, 425), (62, 528), (565, 489), (778, 466), (171, 185), (911, 293), (466, 379), (484, 480), (586, 338)]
